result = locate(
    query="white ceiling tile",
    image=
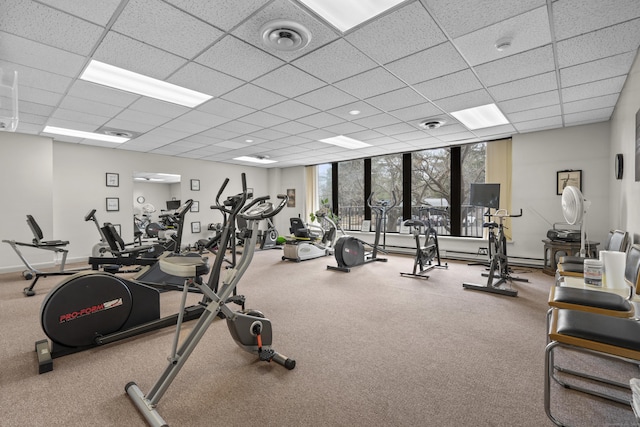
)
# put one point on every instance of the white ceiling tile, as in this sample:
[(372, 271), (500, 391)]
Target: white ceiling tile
[(612, 66), (515, 67), (365, 135), (263, 119), (43, 24), (287, 141), (428, 64), (397, 34), (395, 129), (495, 130), (539, 124), (37, 55), (320, 120), (291, 109), (33, 108), (128, 125), (161, 25), (325, 98), (253, 96), (526, 31), (523, 87), (538, 100), (599, 44), (590, 116), (106, 95), (417, 112), (29, 128), (89, 106), (344, 128), (220, 133), (318, 134), (377, 120), (396, 99), (289, 81), (225, 15), (593, 89), (449, 85), (370, 83), (157, 107), (33, 119), (590, 104), (142, 117), (96, 12), (292, 128), (269, 134), (284, 9), (203, 79), (39, 96), (448, 129), (222, 107), (534, 114), (465, 100), (576, 17), (39, 79), (412, 136), (125, 52), (335, 61), (231, 144), (239, 128), (185, 126), (239, 59)]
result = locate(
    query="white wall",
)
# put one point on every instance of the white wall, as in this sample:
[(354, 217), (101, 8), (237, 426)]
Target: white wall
[(625, 193)]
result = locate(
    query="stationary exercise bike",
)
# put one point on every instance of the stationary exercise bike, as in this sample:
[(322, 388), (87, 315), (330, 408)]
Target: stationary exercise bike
[(429, 251), (499, 264), (249, 329), (269, 238), (350, 251), (95, 308)]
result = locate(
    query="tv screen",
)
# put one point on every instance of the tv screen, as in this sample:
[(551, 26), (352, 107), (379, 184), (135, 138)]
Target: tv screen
[(485, 195), (173, 204)]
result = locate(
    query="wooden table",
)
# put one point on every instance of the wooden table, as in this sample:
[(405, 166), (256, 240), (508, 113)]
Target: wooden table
[(554, 249)]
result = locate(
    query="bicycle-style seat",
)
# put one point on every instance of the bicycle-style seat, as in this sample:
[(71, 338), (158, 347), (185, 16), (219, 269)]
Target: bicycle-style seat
[(415, 223), (492, 224)]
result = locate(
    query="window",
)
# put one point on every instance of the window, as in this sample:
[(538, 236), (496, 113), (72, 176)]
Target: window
[(430, 187), (351, 194), (324, 185), (473, 158), (386, 179)]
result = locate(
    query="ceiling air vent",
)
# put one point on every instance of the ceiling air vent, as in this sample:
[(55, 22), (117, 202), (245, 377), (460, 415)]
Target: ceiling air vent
[(432, 123), (118, 132), (283, 35)]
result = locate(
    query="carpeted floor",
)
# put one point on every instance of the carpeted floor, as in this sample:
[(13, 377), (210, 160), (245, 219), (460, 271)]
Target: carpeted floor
[(372, 349)]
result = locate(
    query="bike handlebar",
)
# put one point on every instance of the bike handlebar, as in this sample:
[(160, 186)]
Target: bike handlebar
[(256, 212), (384, 202)]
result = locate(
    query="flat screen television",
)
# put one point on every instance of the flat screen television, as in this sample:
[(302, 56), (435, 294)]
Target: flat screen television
[(173, 205), (485, 195)]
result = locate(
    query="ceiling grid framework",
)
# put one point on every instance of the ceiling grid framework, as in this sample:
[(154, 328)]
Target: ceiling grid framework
[(566, 65)]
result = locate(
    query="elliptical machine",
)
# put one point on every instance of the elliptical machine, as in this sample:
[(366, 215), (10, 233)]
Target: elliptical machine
[(429, 251), (351, 252), (249, 329)]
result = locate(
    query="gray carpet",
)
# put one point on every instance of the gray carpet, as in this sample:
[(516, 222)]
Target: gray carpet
[(372, 349)]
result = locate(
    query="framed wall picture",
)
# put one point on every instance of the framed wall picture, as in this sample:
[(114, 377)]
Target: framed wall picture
[(113, 204), (291, 193), (195, 227), (568, 177), (113, 179), (195, 185), (195, 207)]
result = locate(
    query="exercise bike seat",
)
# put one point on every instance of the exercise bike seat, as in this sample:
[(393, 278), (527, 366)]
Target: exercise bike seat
[(184, 266), (492, 224), (414, 223)]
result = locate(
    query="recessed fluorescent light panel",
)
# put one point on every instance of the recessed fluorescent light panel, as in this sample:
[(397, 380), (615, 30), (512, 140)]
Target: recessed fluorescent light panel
[(484, 116), (345, 142), (346, 14), (119, 78), (254, 160), (85, 135)]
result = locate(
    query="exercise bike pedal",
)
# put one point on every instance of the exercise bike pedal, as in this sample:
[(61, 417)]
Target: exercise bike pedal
[(266, 355)]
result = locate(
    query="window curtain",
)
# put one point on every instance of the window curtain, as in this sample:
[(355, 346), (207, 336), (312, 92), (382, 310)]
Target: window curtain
[(311, 193), (498, 170)]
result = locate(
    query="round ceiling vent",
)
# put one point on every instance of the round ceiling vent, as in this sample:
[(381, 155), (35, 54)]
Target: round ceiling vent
[(432, 123), (283, 35), (120, 133)]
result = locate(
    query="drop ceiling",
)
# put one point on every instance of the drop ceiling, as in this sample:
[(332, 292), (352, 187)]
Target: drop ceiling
[(566, 65)]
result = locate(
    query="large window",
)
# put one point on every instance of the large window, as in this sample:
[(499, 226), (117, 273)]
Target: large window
[(386, 180), (324, 183), (351, 194), (431, 187), (473, 159)]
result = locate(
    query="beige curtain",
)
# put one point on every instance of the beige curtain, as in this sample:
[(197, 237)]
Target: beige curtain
[(498, 170), (311, 192)]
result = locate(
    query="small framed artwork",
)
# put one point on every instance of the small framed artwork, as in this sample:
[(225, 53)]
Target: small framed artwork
[(113, 179), (195, 185), (568, 177), (249, 193), (195, 227), (113, 204), (291, 193), (195, 207)]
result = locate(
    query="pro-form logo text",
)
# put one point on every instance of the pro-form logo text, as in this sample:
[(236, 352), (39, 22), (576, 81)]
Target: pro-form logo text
[(90, 310)]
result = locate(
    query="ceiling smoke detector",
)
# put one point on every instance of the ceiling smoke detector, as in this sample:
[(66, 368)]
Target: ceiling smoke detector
[(284, 35), (432, 123), (119, 133), (503, 44)]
